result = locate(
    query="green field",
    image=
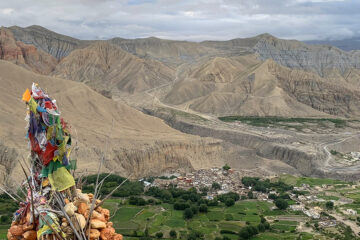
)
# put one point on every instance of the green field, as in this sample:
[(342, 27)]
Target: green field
[(298, 181), (294, 123), (164, 218), (3, 231)]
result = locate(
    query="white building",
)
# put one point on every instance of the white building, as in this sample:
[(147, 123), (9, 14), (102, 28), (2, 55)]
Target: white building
[(351, 212)]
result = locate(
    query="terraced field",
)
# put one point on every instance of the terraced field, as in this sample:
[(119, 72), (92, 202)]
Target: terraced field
[(220, 221)]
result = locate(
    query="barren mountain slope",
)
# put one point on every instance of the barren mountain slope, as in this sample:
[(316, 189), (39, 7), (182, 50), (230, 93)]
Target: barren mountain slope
[(57, 45), (105, 66), (292, 53), (169, 52), (137, 144), (24, 55), (264, 89)]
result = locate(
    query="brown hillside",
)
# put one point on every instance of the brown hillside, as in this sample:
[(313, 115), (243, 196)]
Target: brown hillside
[(138, 144), (169, 52), (106, 66), (245, 86)]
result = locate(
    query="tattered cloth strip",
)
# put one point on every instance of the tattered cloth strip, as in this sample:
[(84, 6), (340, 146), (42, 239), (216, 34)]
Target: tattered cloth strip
[(49, 138), (44, 228), (59, 176)]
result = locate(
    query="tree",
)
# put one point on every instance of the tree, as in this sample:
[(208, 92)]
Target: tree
[(195, 235), (5, 219), (267, 225), (215, 186), (213, 203), (281, 204), (188, 213), (204, 191), (316, 225), (229, 202), (141, 202), (261, 227), (272, 196), (159, 235), (195, 209), (226, 167), (244, 233), (173, 233), (253, 230), (329, 205), (250, 195), (181, 205), (203, 208)]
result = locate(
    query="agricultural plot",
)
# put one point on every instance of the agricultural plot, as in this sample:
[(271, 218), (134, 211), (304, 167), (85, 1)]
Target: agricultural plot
[(219, 221)]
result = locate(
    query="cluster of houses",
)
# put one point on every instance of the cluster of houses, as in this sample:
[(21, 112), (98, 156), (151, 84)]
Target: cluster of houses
[(230, 181), (352, 157)]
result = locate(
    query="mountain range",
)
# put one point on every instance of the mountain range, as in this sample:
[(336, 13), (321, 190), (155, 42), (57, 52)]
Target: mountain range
[(258, 76), (348, 44)]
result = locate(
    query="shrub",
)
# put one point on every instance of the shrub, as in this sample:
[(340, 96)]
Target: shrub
[(272, 196), (195, 209), (213, 203), (181, 205), (226, 167), (244, 233), (333, 152), (229, 217), (232, 195), (329, 205), (204, 191), (229, 202), (188, 213), (215, 185), (195, 235), (261, 227), (173, 233), (281, 204), (203, 208), (223, 231), (5, 219), (159, 235)]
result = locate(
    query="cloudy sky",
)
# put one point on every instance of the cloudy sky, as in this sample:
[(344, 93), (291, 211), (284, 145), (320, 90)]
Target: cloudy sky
[(188, 19)]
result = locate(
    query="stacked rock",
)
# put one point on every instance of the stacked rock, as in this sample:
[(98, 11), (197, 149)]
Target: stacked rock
[(100, 225), (54, 208)]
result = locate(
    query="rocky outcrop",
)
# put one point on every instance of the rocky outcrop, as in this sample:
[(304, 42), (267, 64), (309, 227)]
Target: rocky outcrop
[(55, 44), (291, 53), (23, 54), (304, 161), (168, 157), (295, 54), (335, 98)]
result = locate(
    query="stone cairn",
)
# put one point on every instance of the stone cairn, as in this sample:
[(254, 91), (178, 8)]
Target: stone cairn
[(54, 207)]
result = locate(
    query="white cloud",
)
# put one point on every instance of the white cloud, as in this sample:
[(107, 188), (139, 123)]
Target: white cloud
[(187, 19), (6, 11)]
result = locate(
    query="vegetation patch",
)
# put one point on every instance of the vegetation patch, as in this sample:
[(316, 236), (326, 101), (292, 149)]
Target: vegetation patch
[(298, 124)]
